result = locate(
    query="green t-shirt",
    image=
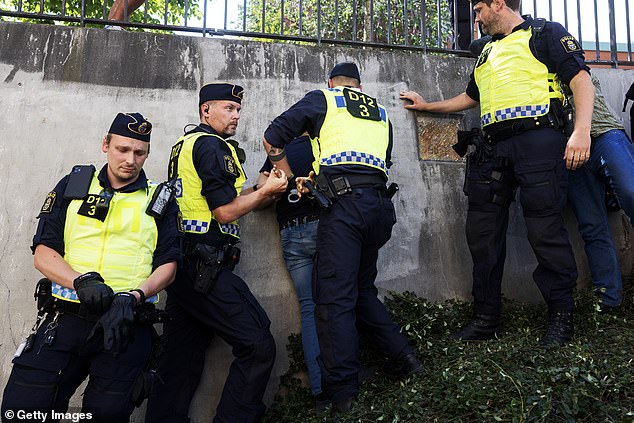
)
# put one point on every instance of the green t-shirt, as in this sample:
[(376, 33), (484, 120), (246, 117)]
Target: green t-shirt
[(602, 118)]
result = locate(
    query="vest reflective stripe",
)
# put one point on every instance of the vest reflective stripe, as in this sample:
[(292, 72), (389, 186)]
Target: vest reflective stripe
[(345, 139), (121, 248), (513, 84), (353, 157), (197, 226), (71, 295), (197, 217)]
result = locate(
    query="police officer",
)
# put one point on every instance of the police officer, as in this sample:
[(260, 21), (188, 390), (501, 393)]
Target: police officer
[(207, 298), (515, 82), (104, 255), (352, 142)]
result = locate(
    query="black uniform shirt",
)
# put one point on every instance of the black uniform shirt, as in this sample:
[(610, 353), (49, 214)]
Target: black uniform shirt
[(300, 157), (50, 228), (550, 48), (218, 184), (307, 115)]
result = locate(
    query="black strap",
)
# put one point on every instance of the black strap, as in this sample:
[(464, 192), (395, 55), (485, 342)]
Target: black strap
[(502, 130)]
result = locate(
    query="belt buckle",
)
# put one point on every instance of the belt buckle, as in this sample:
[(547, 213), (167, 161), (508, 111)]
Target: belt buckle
[(341, 185)]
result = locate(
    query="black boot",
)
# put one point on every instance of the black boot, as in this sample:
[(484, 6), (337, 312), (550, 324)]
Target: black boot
[(322, 403), (560, 329), (408, 365), (479, 328)]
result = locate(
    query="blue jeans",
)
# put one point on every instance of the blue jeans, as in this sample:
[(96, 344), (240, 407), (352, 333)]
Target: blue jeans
[(611, 162), (299, 244)]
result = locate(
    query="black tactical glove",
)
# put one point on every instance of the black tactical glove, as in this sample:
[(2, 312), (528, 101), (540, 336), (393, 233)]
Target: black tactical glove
[(93, 293), (117, 324)]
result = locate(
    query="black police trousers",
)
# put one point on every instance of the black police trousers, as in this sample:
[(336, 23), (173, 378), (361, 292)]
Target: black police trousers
[(45, 378), (231, 311), (349, 237), (532, 161)]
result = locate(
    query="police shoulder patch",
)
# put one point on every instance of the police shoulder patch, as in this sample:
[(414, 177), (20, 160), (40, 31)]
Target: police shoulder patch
[(230, 165), (570, 44), (47, 207)]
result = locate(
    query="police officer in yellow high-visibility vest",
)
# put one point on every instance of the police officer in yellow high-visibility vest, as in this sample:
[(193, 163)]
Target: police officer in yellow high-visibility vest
[(207, 298), (516, 84), (352, 142), (104, 254)]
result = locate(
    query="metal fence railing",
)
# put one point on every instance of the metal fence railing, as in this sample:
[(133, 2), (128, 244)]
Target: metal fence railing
[(444, 26)]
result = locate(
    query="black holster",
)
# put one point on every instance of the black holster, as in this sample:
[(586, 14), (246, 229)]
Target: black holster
[(148, 314), (334, 187), (44, 296), (209, 261), (473, 145), (145, 381)]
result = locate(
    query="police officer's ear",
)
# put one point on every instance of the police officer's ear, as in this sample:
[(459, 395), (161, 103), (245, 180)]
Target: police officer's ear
[(204, 109), (330, 83), (105, 143)]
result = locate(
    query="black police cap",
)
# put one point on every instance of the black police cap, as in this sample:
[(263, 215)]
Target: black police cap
[(131, 125), (348, 69), (221, 91)]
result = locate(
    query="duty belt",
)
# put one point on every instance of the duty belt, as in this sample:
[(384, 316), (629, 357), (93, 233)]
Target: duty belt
[(77, 309), (145, 313), (296, 221), (505, 129), (334, 187)]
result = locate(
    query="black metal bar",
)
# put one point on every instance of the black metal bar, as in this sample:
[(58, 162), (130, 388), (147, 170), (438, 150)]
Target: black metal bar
[(318, 22), (472, 22), (263, 16), (596, 31), (371, 21), (423, 24), (566, 14), (165, 13), (244, 14), (579, 23), (354, 20), (336, 18), (204, 30), (83, 13), (405, 23), (145, 11), (535, 9), (42, 7), (389, 21), (438, 35), (301, 17), (627, 25), (224, 22), (186, 10), (63, 7), (612, 18), (282, 18), (104, 9), (125, 10), (454, 24)]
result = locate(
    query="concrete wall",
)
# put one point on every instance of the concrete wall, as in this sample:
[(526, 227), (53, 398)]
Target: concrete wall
[(62, 87)]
